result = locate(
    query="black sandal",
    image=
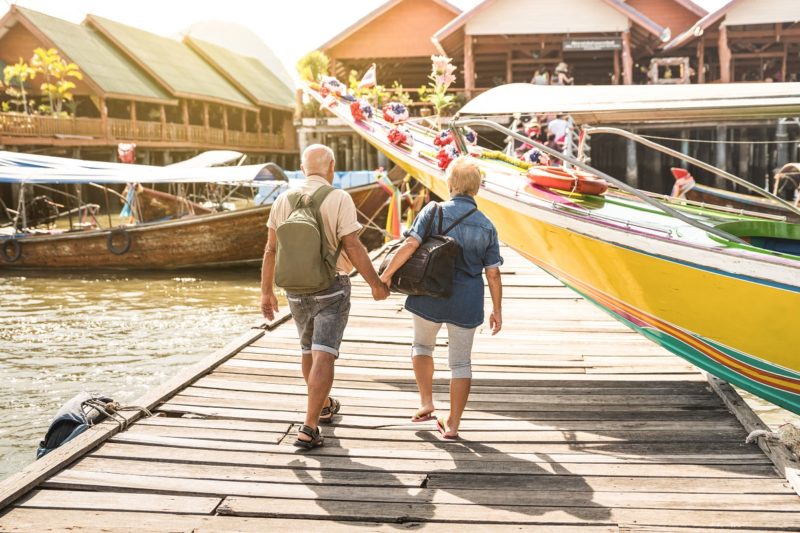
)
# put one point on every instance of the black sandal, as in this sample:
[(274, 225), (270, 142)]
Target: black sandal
[(316, 438), (326, 415)]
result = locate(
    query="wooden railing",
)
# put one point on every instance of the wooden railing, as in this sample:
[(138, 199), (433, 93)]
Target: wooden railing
[(120, 130)]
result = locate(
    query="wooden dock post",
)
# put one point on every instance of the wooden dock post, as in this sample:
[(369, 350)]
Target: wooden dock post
[(631, 165)]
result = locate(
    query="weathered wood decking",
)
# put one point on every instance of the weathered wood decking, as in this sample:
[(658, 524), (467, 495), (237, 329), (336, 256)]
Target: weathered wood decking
[(574, 423)]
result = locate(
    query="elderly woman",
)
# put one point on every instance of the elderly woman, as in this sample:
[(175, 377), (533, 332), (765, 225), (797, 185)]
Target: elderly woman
[(463, 310)]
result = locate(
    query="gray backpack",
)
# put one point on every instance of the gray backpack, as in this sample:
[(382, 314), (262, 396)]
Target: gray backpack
[(305, 264)]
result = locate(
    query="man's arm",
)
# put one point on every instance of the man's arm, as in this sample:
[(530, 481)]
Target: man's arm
[(496, 290), (269, 302), (358, 256)]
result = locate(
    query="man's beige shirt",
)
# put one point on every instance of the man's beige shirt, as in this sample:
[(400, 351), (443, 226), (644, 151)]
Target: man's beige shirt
[(338, 212)]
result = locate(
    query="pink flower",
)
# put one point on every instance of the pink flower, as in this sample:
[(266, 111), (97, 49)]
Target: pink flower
[(440, 63)]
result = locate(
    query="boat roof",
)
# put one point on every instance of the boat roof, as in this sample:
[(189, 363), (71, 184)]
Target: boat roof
[(36, 169), (614, 104)]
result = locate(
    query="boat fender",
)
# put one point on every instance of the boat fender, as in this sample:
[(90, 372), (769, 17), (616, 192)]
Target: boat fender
[(75, 416), (126, 241), (14, 254)]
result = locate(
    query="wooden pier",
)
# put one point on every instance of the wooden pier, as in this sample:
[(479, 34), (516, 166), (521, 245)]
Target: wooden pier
[(574, 424)]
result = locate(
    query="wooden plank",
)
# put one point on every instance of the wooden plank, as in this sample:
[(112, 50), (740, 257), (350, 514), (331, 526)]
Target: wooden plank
[(499, 496), (420, 511), (45, 521), (376, 465), (113, 501)]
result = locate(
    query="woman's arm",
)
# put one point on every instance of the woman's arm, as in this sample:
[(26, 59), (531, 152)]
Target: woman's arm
[(402, 255), (496, 290)]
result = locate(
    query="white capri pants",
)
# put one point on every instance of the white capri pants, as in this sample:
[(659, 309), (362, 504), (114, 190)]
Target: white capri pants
[(459, 344)]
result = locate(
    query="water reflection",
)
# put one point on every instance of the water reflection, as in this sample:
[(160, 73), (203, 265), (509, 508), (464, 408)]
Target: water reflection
[(115, 333)]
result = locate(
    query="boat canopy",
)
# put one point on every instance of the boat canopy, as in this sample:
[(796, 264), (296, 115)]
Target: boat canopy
[(245, 174), (614, 104), (17, 167), (210, 158)]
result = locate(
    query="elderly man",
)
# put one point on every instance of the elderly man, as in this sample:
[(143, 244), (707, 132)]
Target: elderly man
[(320, 316)]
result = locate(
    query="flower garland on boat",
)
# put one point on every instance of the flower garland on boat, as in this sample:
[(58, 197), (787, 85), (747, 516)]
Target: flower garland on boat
[(395, 112), (361, 110), (399, 136), (330, 85), (536, 157), (446, 155)]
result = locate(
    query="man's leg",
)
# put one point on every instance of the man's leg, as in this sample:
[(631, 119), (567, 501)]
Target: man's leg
[(307, 361), (320, 382)]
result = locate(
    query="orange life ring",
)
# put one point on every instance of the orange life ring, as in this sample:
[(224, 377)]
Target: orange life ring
[(567, 180)]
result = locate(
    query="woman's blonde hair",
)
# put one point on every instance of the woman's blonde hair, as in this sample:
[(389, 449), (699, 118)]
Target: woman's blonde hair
[(464, 176)]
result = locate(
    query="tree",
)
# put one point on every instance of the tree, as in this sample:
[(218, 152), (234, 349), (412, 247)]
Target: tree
[(57, 85), (16, 77), (313, 65)]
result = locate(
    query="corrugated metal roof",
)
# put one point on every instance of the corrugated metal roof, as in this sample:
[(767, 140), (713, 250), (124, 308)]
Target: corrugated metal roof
[(172, 62), (107, 67), (248, 74)]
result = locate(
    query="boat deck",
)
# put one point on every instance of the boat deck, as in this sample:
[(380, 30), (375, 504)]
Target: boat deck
[(574, 424)]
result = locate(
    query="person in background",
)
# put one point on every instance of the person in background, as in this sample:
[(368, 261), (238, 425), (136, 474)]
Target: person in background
[(561, 76), (463, 310), (541, 77)]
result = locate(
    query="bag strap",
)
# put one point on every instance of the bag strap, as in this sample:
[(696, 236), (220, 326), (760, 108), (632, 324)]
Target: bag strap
[(458, 221), (436, 210), (294, 197), (316, 203)]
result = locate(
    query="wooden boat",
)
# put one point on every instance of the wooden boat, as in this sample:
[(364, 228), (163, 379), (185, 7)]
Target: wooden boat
[(217, 239), (687, 187), (231, 238), (683, 276)]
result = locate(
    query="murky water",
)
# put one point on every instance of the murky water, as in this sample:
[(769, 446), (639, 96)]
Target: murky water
[(119, 334)]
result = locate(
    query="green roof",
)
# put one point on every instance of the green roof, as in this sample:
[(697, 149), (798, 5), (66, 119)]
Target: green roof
[(172, 62), (249, 73), (98, 60)]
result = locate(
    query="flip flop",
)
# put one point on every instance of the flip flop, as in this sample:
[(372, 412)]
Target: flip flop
[(422, 417), (443, 430)]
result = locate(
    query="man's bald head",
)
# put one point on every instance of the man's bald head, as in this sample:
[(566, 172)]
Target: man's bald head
[(318, 160)]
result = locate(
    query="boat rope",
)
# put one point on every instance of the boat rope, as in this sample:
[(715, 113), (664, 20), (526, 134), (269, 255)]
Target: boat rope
[(112, 410), (711, 141)]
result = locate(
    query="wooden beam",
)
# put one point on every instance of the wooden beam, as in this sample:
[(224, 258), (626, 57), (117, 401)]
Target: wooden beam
[(469, 67), (104, 117), (133, 117), (509, 68), (724, 56), (627, 58), (206, 116), (163, 111), (617, 67), (244, 120), (185, 116), (701, 60), (225, 124), (785, 61)]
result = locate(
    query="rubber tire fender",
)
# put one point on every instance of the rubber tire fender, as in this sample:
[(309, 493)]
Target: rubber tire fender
[(126, 241), (16, 247)]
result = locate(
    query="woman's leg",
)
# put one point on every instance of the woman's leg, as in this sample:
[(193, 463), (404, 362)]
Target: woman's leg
[(460, 360), (425, 333)]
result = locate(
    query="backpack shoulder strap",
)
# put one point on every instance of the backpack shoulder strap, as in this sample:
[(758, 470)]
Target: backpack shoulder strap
[(294, 197), (316, 201), (459, 220)]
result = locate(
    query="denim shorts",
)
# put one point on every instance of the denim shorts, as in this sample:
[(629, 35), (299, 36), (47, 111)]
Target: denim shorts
[(321, 317)]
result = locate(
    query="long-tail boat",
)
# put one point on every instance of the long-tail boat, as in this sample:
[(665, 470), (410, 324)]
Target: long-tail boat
[(686, 187), (718, 288), (217, 239)]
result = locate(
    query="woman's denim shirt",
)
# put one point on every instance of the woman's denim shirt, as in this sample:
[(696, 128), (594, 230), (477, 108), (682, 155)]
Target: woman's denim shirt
[(478, 239)]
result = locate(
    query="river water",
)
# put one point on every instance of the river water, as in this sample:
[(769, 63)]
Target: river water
[(117, 333)]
